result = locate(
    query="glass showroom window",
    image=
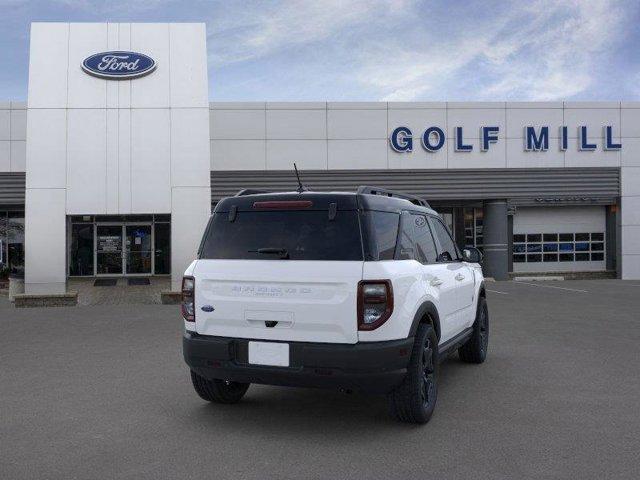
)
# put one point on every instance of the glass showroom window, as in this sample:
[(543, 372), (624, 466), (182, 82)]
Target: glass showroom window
[(162, 225), (120, 245), (558, 247), (473, 227), (11, 243), (447, 217), (15, 240), (4, 266), (81, 250)]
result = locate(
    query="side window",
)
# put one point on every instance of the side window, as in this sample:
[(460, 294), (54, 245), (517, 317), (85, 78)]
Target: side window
[(385, 231), (447, 251), (425, 245), (405, 249)]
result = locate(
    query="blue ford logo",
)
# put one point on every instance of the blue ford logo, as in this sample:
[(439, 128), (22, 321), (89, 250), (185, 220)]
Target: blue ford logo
[(118, 65)]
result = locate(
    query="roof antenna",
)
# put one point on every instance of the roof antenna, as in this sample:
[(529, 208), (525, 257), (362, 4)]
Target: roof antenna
[(301, 187)]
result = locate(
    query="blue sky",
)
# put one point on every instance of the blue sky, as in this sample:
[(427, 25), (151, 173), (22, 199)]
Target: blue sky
[(359, 50)]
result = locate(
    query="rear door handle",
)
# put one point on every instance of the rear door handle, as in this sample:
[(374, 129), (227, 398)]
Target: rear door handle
[(459, 277), (436, 282)]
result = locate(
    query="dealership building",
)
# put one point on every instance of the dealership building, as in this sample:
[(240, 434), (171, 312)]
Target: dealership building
[(113, 164)]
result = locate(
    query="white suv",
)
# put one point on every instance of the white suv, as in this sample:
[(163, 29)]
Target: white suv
[(358, 291)]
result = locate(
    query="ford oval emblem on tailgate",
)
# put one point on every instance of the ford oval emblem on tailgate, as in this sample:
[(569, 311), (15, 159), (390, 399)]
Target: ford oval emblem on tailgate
[(207, 308)]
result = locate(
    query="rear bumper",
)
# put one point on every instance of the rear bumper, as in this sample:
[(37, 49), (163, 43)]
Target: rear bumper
[(375, 367)]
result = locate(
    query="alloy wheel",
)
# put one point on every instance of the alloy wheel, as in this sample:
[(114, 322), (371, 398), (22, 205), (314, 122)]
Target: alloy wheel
[(428, 374)]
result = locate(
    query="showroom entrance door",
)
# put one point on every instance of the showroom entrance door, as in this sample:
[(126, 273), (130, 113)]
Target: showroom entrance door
[(108, 253), (124, 249), (138, 246)]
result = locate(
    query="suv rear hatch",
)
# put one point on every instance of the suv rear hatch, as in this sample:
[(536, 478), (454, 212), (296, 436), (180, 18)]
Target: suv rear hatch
[(281, 268)]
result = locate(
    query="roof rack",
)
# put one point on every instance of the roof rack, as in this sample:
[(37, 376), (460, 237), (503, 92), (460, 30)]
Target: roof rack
[(249, 191), (366, 189)]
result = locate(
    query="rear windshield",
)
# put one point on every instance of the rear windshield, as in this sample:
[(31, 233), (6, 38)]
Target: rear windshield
[(277, 235)]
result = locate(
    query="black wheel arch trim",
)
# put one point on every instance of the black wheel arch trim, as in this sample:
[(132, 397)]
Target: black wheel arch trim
[(482, 291), (427, 308)]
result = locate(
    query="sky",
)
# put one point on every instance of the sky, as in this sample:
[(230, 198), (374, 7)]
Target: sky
[(377, 50)]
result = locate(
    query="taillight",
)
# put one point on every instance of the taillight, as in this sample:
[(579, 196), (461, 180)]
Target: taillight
[(188, 305), (375, 303)]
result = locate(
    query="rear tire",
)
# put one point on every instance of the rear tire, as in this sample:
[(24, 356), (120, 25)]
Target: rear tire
[(415, 400), (475, 350), (218, 391)]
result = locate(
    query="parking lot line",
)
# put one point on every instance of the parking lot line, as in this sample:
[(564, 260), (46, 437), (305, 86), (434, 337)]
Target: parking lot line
[(496, 291), (552, 286)]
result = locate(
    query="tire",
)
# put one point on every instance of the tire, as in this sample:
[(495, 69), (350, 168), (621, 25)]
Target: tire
[(415, 399), (218, 391), (475, 350)]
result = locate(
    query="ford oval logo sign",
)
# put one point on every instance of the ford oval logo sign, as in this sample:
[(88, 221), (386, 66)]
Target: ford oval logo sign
[(118, 65)]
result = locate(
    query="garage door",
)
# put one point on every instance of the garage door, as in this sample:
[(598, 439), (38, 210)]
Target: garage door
[(559, 239)]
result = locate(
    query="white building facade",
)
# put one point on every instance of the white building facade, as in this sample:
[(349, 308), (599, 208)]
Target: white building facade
[(100, 147), (121, 174)]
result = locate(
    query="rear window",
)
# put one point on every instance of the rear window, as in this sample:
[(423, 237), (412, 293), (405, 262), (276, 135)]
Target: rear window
[(275, 235)]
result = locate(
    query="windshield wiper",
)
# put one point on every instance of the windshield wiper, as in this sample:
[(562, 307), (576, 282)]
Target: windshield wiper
[(282, 252)]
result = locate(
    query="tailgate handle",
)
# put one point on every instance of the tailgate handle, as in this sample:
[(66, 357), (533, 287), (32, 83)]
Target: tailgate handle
[(269, 319), (269, 323)]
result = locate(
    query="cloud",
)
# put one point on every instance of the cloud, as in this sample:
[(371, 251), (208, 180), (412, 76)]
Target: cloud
[(107, 7), (545, 51), (556, 57), (408, 50), (263, 28), (389, 49)]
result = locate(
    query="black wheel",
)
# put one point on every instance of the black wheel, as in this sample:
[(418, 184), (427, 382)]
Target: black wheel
[(475, 350), (218, 391), (415, 399)]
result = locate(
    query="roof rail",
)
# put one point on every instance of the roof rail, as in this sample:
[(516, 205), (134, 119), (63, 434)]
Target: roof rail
[(249, 191), (366, 189)]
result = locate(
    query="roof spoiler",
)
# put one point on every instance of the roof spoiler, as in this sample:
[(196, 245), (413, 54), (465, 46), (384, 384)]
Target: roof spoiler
[(250, 191), (368, 190)]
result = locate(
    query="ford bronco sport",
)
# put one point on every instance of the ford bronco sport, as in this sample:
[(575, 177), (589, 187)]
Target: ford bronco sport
[(362, 291)]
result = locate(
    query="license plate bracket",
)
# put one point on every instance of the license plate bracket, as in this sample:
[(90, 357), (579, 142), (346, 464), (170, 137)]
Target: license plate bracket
[(274, 354)]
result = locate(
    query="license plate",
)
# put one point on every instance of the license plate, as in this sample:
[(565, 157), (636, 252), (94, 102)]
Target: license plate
[(269, 353)]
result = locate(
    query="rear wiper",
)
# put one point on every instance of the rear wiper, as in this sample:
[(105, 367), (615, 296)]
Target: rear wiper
[(282, 252)]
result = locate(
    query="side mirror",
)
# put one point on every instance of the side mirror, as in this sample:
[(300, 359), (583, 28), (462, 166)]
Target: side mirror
[(444, 257), (472, 255)]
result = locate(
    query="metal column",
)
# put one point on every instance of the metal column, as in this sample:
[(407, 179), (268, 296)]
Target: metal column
[(496, 254)]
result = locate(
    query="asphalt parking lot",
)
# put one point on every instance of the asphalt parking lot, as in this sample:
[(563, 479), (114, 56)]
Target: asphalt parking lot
[(102, 392)]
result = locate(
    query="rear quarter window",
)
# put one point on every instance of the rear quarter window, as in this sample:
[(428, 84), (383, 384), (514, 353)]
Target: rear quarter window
[(382, 234)]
